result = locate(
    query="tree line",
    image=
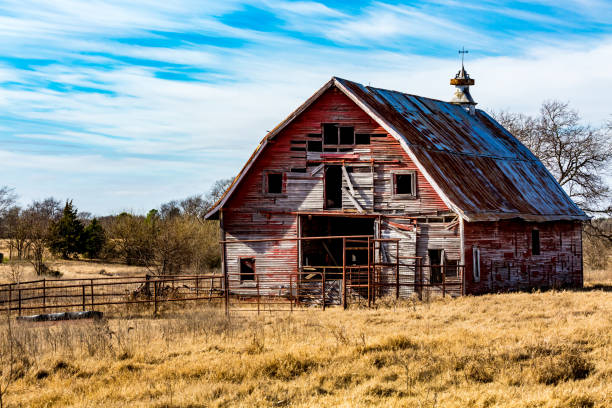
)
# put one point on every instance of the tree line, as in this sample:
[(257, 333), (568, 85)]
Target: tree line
[(168, 240)]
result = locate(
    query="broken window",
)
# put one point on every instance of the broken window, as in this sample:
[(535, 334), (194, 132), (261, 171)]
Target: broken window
[(404, 184), (347, 135), (274, 183), (247, 269), (362, 139), (333, 187), (535, 242), (314, 146), (330, 134)]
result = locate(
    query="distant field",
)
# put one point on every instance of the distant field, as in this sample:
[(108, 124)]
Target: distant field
[(551, 349)]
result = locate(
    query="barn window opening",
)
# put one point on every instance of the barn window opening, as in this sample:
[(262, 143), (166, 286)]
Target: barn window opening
[(347, 135), (247, 269), (314, 146), (333, 187), (362, 139), (298, 170), (404, 184), (476, 264), (330, 134), (275, 183), (436, 260), (535, 242)]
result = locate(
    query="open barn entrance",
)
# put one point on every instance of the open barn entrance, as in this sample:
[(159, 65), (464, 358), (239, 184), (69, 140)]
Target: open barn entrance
[(328, 253)]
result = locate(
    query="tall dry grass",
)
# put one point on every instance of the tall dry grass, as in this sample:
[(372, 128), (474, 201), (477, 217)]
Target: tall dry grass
[(550, 349)]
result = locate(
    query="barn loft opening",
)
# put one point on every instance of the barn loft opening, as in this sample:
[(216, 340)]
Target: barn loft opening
[(404, 184), (275, 183), (328, 252), (333, 187)]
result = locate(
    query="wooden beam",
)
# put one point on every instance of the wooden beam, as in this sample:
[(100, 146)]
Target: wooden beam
[(353, 200), (348, 180), (317, 169)]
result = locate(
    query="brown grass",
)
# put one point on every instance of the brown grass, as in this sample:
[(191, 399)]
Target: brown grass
[(548, 349)]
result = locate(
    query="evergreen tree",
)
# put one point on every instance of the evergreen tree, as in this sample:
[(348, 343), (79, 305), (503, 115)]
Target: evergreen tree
[(93, 239), (66, 233)]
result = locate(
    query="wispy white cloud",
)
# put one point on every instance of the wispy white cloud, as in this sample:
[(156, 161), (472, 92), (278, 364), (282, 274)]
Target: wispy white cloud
[(102, 115)]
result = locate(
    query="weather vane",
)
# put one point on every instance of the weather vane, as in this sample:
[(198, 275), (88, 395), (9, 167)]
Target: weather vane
[(463, 51)]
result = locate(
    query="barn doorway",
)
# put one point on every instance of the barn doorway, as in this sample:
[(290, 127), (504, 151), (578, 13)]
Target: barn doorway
[(328, 252)]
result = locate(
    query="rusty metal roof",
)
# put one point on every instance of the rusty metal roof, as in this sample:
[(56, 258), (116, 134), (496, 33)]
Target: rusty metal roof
[(479, 169)]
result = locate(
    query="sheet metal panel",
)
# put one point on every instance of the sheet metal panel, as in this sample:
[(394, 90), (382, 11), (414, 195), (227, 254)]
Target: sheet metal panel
[(484, 170)]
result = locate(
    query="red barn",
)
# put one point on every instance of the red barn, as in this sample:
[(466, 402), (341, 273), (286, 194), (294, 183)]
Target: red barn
[(364, 192)]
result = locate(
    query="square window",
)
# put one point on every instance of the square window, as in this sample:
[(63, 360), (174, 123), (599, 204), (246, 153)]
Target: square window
[(275, 183), (404, 184), (347, 135), (330, 134), (362, 139), (247, 269), (314, 146)]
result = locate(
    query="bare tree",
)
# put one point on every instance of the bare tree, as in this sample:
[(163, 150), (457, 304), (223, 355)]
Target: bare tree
[(15, 231), (37, 219), (577, 155), (7, 199)]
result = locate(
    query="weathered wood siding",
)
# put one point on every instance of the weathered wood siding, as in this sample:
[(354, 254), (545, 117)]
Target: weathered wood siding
[(507, 262), (253, 214)]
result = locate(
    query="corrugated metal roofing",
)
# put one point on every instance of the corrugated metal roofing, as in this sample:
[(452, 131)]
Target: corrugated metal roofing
[(477, 167)]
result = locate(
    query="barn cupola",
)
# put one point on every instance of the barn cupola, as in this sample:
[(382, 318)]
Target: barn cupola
[(462, 83)]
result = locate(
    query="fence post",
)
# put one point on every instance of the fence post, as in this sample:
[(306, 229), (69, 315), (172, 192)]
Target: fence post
[(397, 284), (197, 286), (323, 287), (83, 287), (44, 295), (291, 292), (19, 301), (93, 302), (10, 298), (226, 288), (155, 297), (443, 281), (258, 295), (369, 277), (344, 273)]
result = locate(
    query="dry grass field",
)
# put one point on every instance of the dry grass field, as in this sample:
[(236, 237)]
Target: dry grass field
[(551, 349)]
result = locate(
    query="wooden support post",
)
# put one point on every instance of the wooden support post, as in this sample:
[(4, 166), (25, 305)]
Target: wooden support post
[(83, 296), (44, 290), (258, 294), (10, 298), (323, 287), (369, 277), (291, 292), (93, 302), (443, 280), (344, 273), (19, 301), (397, 276), (197, 284), (155, 298)]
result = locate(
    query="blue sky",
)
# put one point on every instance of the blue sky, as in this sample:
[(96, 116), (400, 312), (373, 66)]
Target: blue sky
[(125, 105)]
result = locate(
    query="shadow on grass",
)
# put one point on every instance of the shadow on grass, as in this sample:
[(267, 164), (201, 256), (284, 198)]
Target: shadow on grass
[(596, 287)]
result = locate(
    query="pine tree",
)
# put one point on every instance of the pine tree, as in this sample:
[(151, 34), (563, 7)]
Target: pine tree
[(93, 239), (66, 233)]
